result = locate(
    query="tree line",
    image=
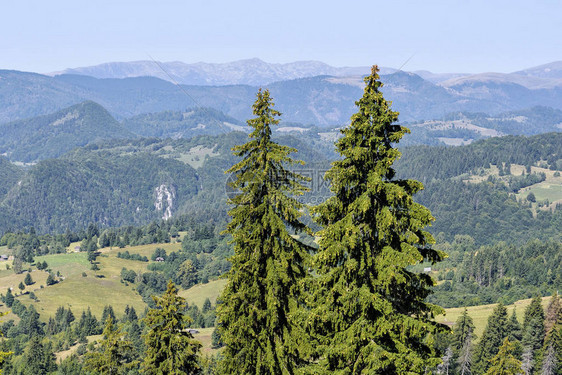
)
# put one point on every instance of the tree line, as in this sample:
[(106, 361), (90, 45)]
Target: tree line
[(506, 345)]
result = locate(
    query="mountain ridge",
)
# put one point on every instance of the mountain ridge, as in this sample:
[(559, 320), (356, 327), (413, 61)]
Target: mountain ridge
[(249, 71)]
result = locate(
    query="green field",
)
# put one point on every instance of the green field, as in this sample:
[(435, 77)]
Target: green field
[(198, 293), (550, 189), (80, 287), (196, 156), (481, 313)]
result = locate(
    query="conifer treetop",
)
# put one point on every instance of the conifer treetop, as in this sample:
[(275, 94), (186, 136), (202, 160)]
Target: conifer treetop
[(257, 314), (370, 312)]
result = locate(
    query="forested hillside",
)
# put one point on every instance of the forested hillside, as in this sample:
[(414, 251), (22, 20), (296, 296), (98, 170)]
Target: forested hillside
[(53, 135), (86, 188), (127, 182), (9, 175), (193, 122), (489, 207)]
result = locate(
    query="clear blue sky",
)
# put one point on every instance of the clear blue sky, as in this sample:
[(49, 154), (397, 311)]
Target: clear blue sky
[(446, 36)]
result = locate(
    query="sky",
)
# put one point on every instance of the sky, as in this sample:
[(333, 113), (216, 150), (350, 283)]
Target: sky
[(440, 36)]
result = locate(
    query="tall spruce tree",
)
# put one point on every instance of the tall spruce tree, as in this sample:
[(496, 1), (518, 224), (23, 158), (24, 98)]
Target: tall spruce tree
[(504, 363), (534, 310), (463, 328), (494, 334), (370, 314), (256, 316), (170, 349)]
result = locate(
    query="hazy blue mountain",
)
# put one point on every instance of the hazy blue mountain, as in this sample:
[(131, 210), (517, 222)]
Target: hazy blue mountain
[(527, 81), (52, 135), (322, 100), (552, 70), (24, 95), (246, 72), (508, 92)]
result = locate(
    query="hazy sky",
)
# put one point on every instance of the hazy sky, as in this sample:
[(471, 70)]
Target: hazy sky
[(443, 36)]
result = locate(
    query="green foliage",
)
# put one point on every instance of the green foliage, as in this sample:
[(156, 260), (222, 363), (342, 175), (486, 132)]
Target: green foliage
[(51, 280), (4, 355), (504, 363), (256, 314), (9, 298), (463, 329), (534, 310), (114, 354), (126, 255), (369, 313), (28, 280), (108, 313), (38, 358), (494, 334), (502, 272), (533, 327), (10, 174), (187, 274), (170, 349)]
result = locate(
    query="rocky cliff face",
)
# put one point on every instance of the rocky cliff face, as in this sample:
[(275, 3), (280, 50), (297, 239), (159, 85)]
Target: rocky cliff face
[(164, 200)]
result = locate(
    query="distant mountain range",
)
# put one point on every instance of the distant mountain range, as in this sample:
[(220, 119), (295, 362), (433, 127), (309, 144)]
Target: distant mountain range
[(255, 72), (252, 72), (53, 135), (321, 100)]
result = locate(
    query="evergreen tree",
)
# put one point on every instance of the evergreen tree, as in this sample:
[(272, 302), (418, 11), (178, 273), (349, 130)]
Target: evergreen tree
[(50, 280), (370, 314), (9, 298), (504, 363), (21, 286), (114, 355), (534, 336), (70, 366), (494, 334), (552, 351), (463, 328), (514, 329), (38, 358), (515, 334), (263, 291), (534, 310), (170, 349), (206, 306), (108, 313), (28, 280)]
